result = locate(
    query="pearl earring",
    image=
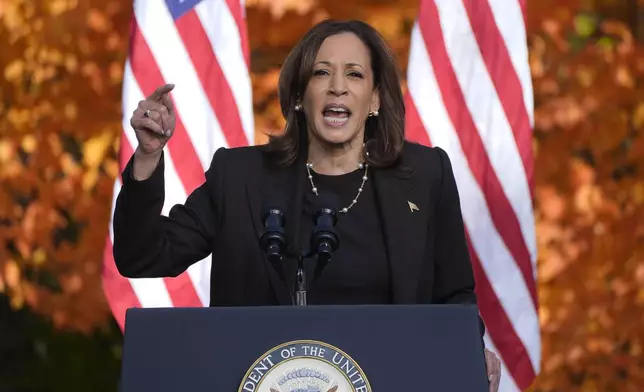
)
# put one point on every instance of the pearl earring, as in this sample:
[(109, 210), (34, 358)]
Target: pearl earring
[(298, 107), (374, 113)]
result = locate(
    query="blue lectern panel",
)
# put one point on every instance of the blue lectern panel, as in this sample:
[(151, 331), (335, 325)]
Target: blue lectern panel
[(399, 348)]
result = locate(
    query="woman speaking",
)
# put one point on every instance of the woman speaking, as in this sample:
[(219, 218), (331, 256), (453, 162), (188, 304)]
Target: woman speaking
[(398, 217)]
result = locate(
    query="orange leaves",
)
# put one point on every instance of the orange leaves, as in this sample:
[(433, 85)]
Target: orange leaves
[(98, 21), (268, 119), (60, 117), (10, 276), (589, 258), (279, 7), (58, 7), (95, 150), (563, 112), (587, 73)]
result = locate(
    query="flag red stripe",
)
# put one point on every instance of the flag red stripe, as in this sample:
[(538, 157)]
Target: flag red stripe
[(147, 73), (182, 291), (148, 76), (414, 129), (118, 291), (505, 79), (500, 328), (189, 169), (181, 288), (125, 153), (238, 11), (212, 78), (500, 209)]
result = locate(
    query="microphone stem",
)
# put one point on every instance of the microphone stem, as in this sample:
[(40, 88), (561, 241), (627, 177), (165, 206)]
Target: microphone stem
[(300, 281)]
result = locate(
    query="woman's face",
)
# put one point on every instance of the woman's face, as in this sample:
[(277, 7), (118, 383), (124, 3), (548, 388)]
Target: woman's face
[(340, 94)]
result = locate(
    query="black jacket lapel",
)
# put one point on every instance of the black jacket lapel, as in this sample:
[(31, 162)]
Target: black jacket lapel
[(404, 217)]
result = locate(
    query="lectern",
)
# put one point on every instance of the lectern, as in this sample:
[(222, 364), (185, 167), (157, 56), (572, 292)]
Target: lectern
[(392, 348)]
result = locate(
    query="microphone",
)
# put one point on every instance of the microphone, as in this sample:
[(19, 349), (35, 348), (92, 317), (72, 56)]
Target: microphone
[(273, 240), (324, 239)]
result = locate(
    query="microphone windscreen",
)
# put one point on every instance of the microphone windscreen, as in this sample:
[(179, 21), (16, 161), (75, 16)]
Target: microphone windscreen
[(327, 200), (275, 201)]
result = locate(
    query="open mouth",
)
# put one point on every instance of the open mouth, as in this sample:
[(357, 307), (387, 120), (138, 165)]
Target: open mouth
[(336, 115)]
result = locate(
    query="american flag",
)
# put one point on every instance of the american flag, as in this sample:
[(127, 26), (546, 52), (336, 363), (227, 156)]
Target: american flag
[(470, 92), (201, 46)]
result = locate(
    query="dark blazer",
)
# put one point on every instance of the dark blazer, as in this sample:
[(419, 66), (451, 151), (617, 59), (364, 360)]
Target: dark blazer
[(426, 246)]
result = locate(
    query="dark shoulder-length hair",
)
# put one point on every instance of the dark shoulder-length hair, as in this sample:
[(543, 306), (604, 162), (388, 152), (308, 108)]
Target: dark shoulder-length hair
[(384, 134)]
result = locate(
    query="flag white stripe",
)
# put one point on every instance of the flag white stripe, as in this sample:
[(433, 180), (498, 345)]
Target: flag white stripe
[(163, 48), (488, 114), (132, 94), (171, 56), (200, 275), (226, 43), (499, 266), (507, 382), (174, 190), (176, 194), (509, 19), (117, 187), (151, 292)]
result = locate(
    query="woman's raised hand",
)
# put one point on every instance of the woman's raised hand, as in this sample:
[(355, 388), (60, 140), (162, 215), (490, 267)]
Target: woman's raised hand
[(154, 121)]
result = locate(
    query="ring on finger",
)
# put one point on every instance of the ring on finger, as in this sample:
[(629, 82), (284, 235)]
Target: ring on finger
[(147, 113)]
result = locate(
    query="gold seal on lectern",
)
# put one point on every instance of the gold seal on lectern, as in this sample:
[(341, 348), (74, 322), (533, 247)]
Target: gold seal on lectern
[(305, 366)]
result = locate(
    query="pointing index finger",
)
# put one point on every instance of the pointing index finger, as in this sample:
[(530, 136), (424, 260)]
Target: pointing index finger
[(158, 94), (167, 102)]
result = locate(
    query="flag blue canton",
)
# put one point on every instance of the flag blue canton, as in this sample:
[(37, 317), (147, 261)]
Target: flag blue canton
[(179, 7)]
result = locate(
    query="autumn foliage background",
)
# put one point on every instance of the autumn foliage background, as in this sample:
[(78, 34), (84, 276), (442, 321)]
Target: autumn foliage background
[(60, 117)]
